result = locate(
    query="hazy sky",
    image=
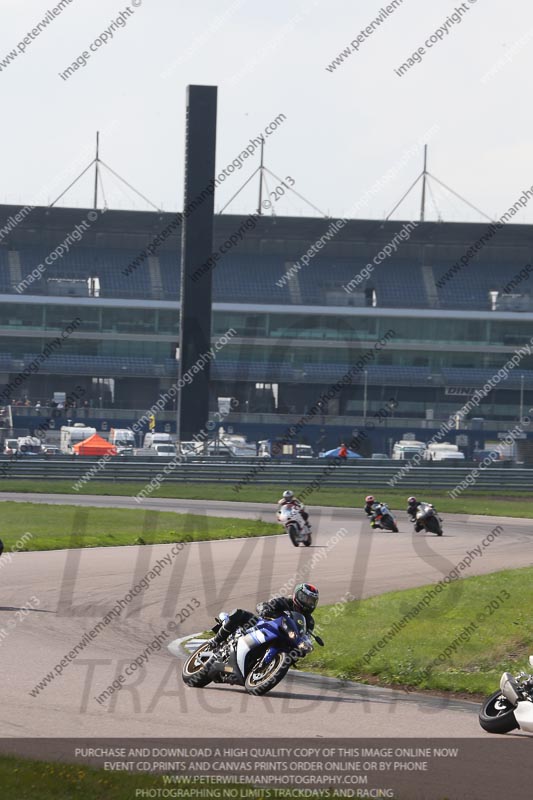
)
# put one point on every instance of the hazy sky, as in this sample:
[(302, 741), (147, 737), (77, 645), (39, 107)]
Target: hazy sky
[(344, 130)]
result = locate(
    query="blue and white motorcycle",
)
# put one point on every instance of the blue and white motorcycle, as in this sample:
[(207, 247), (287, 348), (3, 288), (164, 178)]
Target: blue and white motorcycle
[(257, 656)]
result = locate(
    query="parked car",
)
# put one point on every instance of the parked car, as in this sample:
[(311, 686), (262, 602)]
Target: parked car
[(217, 449), (164, 449), (480, 455)]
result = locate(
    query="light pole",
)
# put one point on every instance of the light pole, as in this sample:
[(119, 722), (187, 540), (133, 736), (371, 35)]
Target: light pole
[(365, 391), (521, 397)]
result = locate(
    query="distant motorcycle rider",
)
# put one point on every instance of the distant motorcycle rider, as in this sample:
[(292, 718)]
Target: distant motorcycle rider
[(370, 509), (412, 508), (303, 600), (289, 498)]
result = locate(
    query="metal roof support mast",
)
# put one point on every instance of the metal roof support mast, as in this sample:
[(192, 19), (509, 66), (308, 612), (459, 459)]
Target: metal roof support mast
[(262, 170), (96, 162), (261, 167), (424, 179)]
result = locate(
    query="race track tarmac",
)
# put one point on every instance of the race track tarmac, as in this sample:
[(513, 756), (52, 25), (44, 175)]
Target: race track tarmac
[(69, 592)]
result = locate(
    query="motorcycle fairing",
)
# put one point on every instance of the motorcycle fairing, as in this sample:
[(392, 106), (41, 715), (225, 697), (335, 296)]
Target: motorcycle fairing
[(425, 510), (290, 515), (524, 715), (264, 631)]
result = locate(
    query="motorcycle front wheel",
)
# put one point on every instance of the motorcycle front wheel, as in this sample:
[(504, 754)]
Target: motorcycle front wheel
[(389, 524), (433, 526), (261, 680), (497, 714), (293, 533), (196, 670)]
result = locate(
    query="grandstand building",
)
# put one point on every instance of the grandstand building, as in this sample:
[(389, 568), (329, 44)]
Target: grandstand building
[(428, 315)]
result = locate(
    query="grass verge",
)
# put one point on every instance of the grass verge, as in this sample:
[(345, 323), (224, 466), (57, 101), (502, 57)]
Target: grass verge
[(37, 780), (25, 779), (54, 527), (462, 641), (467, 503)]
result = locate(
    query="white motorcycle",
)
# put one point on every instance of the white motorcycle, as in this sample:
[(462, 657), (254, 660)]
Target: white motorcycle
[(290, 517), (428, 519), (511, 707)]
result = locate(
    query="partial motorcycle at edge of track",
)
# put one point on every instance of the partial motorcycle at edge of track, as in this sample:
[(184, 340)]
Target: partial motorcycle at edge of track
[(511, 706)]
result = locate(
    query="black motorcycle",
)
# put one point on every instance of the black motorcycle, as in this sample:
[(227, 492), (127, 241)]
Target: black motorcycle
[(382, 518)]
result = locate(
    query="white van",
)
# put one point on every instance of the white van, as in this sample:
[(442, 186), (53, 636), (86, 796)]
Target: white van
[(443, 451), (406, 449), (304, 451), (123, 439), (152, 438), (10, 447), (74, 434)]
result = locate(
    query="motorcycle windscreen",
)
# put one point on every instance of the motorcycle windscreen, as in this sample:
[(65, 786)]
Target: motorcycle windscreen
[(300, 622), (508, 686)]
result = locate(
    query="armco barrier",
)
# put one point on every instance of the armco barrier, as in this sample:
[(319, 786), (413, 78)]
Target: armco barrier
[(256, 471)]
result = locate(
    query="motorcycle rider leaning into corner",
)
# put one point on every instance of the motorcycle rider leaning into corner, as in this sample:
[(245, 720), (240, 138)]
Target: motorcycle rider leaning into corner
[(304, 600), (412, 507), (289, 498), (370, 502)]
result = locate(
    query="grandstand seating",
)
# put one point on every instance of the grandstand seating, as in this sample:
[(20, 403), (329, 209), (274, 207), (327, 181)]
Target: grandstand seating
[(469, 289), (85, 262), (458, 376), (265, 371), (5, 279), (112, 366), (248, 279), (253, 278)]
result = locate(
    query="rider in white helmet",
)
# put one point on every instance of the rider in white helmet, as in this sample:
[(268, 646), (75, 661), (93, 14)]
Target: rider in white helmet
[(289, 498), (412, 508)]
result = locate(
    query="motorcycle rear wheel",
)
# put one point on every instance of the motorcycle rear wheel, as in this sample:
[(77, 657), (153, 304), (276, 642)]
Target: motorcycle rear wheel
[(260, 681), (497, 714), (195, 671), (308, 541)]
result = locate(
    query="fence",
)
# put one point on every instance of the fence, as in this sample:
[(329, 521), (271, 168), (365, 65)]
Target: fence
[(257, 472)]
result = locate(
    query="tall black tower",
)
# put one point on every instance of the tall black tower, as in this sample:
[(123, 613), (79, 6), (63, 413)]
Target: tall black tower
[(196, 249)]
